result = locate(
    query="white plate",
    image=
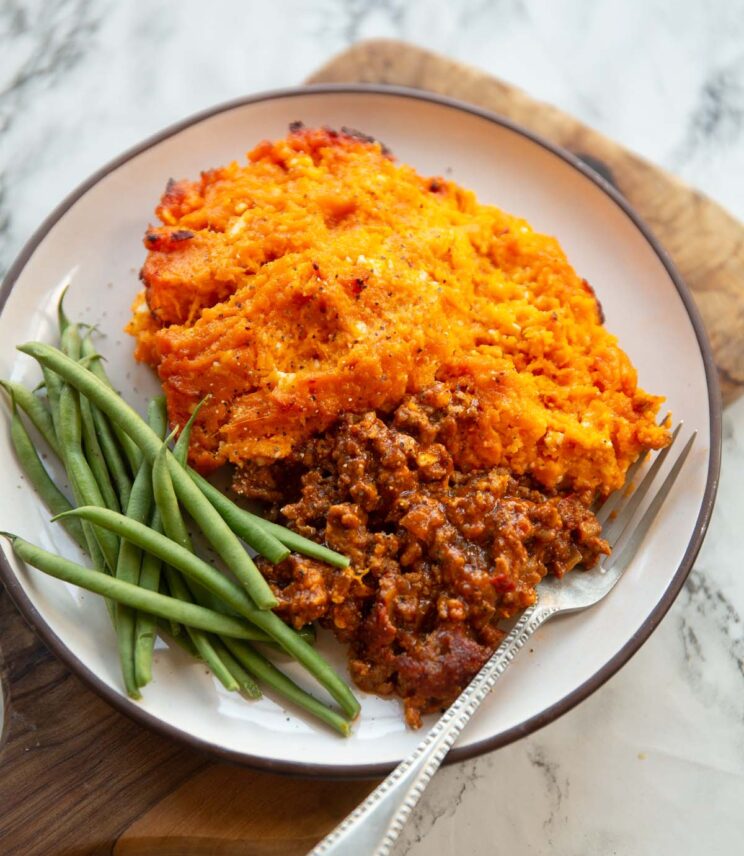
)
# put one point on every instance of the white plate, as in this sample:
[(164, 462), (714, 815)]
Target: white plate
[(94, 243)]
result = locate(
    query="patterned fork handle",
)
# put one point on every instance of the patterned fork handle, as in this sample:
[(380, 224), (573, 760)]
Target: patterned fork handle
[(374, 826)]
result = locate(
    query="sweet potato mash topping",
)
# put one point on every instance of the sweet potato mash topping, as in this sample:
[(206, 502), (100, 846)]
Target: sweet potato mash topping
[(322, 279)]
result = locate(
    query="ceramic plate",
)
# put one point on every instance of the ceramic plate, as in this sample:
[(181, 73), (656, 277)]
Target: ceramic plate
[(93, 243)]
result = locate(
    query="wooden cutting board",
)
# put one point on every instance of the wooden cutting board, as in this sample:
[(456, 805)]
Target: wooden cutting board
[(78, 778)]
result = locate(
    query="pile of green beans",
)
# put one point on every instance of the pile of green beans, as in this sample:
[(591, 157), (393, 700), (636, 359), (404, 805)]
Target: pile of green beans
[(129, 493)]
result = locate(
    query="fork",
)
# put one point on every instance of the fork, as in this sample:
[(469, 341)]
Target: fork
[(374, 826)]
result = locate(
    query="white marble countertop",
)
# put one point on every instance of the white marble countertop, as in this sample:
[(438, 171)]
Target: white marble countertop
[(653, 763)]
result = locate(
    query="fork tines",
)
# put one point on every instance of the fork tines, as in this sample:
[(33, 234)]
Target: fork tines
[(623, 537)]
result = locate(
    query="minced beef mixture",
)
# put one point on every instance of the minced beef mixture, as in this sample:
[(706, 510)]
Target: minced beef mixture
[(438, 557)]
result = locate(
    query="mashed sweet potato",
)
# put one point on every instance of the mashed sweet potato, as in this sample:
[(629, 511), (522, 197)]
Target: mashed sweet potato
[(322, 278)]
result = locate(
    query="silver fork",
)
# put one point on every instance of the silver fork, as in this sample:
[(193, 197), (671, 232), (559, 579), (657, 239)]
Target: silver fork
[(374, 826)]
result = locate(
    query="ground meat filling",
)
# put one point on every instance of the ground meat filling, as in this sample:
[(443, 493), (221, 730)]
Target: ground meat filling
[(438, 557)]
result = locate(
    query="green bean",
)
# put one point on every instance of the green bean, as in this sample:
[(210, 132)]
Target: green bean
[(63, 321), (54, 388), (175, 627), (173, 523), (266, 672), (150, 571), (35, 471), (34, 408), (111, 453), (175, 529), (150, 578), (128, 570), (247, 686), (218, 533), (178, 589), (167, 502), (221, 537), (86, 362), (174, 554), (302, 545), (94, 455), (180, 639), (70, 341), (157, 416), (83, 471), (181, 449), (131, 451), (53, 385), (81, 474), (100, 438), (262, 542), (179, 533), (82, 480), (200, 640), (180, 453), (125, 618), (231, 594), (296, 646), (144, 630), (94, 551), (244, 524), (118, 411), (99, 565), (165, 607)]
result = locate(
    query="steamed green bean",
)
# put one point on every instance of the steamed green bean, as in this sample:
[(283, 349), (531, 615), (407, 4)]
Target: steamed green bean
[(37, 412), (115, 463), (134, 596), (247, 686), (219, 534), (175, 529), (267, 672), (232, 594), (128, 570), (36, 472), (95, 457), (82, 481), (131, 451), (262, 542), (243, 523)]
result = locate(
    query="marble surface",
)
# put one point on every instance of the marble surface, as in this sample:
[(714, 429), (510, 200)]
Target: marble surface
[(653, 763)]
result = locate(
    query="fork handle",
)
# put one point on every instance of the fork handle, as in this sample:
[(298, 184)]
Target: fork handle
[(374, 826)]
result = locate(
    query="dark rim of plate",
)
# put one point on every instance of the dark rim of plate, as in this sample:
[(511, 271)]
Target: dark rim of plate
[(123, 705)]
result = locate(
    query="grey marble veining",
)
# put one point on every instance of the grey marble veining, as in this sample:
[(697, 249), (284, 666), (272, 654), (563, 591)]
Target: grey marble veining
[(653, 763)]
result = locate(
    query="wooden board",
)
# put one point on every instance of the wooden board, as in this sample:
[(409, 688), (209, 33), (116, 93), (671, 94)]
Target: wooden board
[(78, 778)]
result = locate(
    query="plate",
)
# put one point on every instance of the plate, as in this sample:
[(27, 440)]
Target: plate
[(93, 243)]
